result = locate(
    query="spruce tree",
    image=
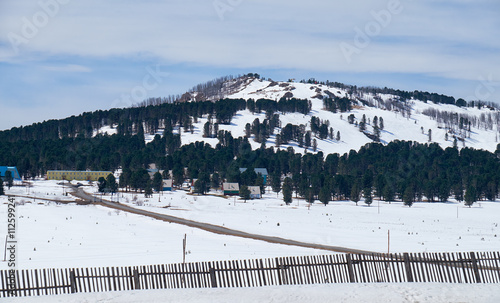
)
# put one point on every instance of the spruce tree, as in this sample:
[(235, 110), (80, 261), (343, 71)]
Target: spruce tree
[(324, 195), (287, 190), (367, 194), (157, 182), (470, 196), (362, 124), (111, 184), (2, 192), (148, 190), (101, 184), (355, 193), (9, 179), (408, 196), (244, 193), (276, 183)]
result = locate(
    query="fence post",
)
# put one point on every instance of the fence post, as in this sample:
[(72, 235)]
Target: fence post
[(213, 278), (406, 259), (137, 284), (72, 281), (350, 269), (278, 267), (475, 267)]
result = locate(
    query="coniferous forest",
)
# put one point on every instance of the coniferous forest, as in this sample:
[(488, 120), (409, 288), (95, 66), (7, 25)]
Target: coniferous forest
[(397, 171)]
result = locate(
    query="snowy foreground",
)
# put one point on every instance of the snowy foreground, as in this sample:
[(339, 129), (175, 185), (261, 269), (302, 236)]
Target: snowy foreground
[(373, 293), (54, 235), (68, 235)]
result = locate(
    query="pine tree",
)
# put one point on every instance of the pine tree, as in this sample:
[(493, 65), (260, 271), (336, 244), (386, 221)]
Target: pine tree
[(315, 145), (244, 193), (381, 123), (101, 184), (367, 194), (324, 195), (355, 193), (206, 130), (276, 183), (9, 179), (376, 133), (215, 181), (148, 190), (338, 136), (362, 124), (429, 134), (470, 196), (408, 196), (111, 184), (287, 190), (2, 192), (157, 182), (388, 193), (307, 139)]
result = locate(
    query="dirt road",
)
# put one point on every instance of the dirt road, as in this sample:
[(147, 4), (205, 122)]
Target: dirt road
[(214, 228)]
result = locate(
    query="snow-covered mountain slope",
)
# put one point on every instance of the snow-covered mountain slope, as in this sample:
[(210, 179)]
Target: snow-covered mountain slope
[(401, 122)]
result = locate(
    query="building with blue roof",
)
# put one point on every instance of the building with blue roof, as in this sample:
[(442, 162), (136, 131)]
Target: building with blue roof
[(12, 169), (262, 171)]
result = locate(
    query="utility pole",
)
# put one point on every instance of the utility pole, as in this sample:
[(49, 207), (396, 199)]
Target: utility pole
[(184, 242), (388, 240)]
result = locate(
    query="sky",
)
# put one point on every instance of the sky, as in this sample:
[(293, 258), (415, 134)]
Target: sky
[(63, 57)]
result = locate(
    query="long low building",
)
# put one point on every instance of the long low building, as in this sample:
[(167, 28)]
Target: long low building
[(77, 175)]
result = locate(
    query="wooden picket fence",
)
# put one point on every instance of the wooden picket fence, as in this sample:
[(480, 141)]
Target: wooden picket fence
[(342, 268)]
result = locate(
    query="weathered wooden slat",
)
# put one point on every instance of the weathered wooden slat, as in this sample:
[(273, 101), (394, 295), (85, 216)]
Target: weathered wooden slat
[(370, 268)]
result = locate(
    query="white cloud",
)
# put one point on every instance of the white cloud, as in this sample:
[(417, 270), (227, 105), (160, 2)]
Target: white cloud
[(68, 68)]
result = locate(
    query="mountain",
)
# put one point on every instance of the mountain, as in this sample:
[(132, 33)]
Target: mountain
[(406, 116)]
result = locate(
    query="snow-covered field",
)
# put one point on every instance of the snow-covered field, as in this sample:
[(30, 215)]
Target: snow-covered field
[(373, 293), (70, 235)]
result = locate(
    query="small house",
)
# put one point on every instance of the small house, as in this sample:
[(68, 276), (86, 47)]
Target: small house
[(255, 192), (231, 189), (167, 185)]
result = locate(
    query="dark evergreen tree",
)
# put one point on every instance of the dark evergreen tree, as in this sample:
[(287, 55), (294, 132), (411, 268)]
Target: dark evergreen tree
[(9, 179), (408, 196), (287, 190), (470, 196), (362, 124), (157, 182), (101, 184), (125, 177), (307, 139), (215, 181), (276, 182), (388, 193), (111, 184), (367, 194), (244, 193), (148, 189), (355, 193), (2, 191), (325, 195)]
